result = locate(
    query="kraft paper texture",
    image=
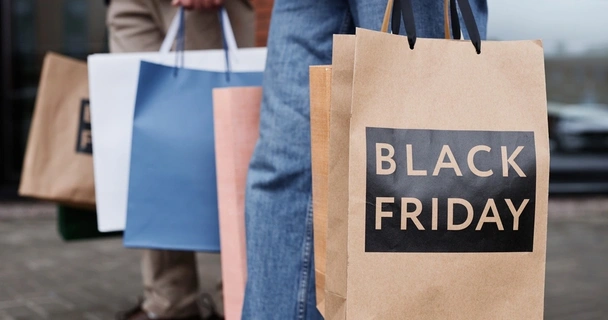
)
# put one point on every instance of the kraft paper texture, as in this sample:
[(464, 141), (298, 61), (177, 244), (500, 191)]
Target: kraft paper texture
[(443, 85), (320, 95), (58, 164)]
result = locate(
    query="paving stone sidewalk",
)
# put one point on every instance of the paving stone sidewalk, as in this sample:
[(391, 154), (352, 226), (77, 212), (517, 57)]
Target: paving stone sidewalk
[(42, 277)]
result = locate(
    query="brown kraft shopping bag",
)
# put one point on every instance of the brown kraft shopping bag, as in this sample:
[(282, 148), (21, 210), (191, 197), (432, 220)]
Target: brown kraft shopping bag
[(320, 94), (448, 178), (58, 164), (236, 116), (337, 216), (337, 213)]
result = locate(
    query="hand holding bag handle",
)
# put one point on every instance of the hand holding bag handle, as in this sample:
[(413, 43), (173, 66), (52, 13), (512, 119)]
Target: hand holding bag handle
[(174, 27), (405, 8), (450, 13), (176, 32)]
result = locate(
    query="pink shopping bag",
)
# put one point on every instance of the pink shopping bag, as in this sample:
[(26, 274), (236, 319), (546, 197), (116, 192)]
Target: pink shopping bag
[(236, 121)]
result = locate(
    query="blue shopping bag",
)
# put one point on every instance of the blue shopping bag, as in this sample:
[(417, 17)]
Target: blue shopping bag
[(172, 200)]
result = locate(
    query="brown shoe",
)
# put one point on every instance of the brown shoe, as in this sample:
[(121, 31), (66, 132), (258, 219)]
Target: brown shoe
[(137, 313)]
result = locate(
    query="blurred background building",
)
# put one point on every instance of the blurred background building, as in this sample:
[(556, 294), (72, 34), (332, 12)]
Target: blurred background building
[(30, 28), (576, 62)]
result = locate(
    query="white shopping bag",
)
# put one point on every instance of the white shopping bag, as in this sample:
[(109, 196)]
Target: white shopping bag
[(113, 85)]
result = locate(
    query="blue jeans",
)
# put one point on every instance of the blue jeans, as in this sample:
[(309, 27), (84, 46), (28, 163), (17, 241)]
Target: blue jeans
[(278, 203)]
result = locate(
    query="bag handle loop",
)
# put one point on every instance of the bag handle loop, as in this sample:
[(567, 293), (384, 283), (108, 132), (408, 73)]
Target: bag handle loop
[(403, 8), (174, 27), (469, 22), (387, 14), (451, 15), (176, 33)]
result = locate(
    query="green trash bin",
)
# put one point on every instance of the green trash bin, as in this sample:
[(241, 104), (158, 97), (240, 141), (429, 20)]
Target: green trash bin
[(79, 224)]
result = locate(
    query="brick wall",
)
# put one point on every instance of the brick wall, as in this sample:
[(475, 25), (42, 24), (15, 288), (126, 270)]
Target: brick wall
[(263, 9)]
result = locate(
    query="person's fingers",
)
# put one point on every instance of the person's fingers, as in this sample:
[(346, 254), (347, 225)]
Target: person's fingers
[(208, 5), (202, 4), (198, 4), (187, 4)]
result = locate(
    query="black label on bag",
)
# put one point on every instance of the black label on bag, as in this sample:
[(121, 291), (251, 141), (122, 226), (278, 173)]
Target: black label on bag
[(450, 191), (84, 144)]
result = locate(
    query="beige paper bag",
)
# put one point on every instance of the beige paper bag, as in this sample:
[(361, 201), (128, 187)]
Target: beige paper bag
[(58, 163), (236, 115), (337, 216), (448, 180), (320, 94)]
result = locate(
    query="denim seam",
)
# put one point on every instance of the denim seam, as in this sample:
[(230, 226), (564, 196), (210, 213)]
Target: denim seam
[(303, 291)]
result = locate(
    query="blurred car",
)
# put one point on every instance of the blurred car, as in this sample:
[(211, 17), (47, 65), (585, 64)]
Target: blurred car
[(576, 128)]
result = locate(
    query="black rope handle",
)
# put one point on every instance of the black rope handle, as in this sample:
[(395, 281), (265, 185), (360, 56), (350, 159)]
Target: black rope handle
[(454, 19), (470, 23), (403, 8)]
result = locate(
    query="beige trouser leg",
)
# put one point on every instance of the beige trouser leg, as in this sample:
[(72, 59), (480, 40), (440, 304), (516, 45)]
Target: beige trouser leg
[(170, 283), (170, 277)]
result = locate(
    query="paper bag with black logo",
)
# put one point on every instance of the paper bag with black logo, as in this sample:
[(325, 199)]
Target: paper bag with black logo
[(58, 163), (337, 213), (448, 177)]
